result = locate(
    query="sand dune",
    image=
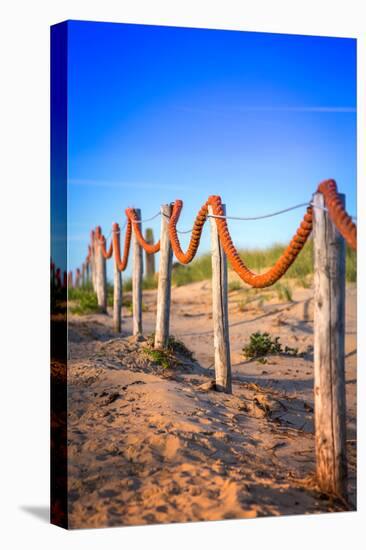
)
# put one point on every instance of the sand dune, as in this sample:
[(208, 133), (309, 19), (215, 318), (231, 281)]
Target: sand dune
[(148, 445)]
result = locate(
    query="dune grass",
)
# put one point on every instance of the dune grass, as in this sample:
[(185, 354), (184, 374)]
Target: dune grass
[(84, 300), (258, 260)]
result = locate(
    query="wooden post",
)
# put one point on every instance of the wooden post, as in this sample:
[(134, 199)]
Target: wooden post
[(149, 258), (101, 278), (117, 293), (220, 310), (329, 376), (165, 281), (137, 269)]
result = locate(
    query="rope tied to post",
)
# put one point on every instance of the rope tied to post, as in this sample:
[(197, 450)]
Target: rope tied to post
[(333, 204), (339, 216), (258, 281)]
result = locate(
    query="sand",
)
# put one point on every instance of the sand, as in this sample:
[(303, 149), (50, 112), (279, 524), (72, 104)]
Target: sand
[(152, 445)]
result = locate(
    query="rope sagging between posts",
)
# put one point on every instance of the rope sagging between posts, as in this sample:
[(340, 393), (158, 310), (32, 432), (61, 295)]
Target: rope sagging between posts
[(332, 201)]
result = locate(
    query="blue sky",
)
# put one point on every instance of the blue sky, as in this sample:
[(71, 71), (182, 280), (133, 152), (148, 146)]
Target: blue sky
[(159, 113)]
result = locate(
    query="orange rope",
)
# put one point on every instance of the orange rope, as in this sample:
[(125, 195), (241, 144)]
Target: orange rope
[(339, 216), (116, 245), (106, 254), (186, 257), (281, 265), (149, 248), (101, 240), (258, 281), (332, 200)]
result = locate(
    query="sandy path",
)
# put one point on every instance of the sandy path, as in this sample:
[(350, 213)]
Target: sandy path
[(148, 446)]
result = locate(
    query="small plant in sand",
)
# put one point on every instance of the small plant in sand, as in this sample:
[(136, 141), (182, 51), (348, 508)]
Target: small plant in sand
[(167, 357), (161, 357), (262, 344)]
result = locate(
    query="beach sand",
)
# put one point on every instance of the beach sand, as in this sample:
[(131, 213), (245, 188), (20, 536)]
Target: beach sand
[(152, 445)]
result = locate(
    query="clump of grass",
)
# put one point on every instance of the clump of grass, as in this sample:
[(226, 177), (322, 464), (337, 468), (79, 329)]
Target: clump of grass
[(262, 344), (161, 357), (167, 357), (174, 345), (86, 301)]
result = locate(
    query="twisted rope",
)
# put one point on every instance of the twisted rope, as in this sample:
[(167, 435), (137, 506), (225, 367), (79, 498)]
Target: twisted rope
[(121, 264), (339, 216), (186, 257), (333, 203), (282, 264), (149, 248)]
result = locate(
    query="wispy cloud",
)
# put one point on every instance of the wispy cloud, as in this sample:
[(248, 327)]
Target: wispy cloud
[(127, 184)]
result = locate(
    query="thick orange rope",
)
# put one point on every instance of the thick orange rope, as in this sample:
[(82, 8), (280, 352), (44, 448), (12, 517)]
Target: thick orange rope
[(339, 216), (258, 281), (332, 201), (116, 245), (282, 264), (186, 257), (149, 248)]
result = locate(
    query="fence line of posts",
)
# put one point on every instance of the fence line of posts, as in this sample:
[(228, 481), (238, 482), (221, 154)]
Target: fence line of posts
[(329, 321)]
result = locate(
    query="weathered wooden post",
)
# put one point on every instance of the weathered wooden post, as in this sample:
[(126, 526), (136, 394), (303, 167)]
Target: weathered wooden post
[(220, 314), (101, 273), (165, 281), (149, 258), (137, 269), (329, 334), (117, 290)]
